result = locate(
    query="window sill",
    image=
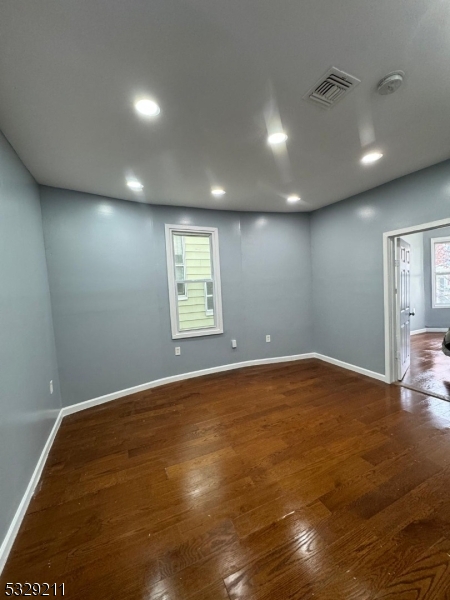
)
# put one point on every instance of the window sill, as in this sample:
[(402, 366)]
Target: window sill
[(197, 333)]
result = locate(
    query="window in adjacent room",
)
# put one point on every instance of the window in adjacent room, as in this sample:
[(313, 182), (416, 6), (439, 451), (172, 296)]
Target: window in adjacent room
[(194, 280), (440, 272)]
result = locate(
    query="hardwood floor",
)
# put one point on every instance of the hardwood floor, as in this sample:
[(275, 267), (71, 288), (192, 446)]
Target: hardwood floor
[(280, 482), (430, 367)]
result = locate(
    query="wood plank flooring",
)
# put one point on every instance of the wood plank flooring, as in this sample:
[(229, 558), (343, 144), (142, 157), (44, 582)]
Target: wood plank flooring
[(279, 482), (430, 367)]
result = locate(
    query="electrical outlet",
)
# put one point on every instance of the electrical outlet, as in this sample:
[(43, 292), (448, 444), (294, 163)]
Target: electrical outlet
[(267, 338), (51, 386), (177, 350), (233, 344)]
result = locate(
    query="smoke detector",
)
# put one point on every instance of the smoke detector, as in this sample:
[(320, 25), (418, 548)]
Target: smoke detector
[(330, 88), (390, 83)]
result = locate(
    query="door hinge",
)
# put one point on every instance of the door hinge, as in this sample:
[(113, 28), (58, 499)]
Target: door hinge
[(398, 355)]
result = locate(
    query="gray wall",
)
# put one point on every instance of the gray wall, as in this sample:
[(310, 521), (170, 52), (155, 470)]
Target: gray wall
[(347, 261), (108, 281), (417, 280), (434, 317), (27, 352)]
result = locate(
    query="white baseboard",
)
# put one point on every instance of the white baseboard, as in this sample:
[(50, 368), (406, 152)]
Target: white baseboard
[(6, 546), (13, 530), (430, 330), (350, 367), (73, 408)]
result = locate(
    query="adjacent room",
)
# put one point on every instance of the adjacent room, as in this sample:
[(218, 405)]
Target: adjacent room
[(427, 368), (224, 299)]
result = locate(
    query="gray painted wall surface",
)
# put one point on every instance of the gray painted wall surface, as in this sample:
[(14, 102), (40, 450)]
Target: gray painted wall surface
[(27, 352), (347, 261), (108, 281), (434, 317), (417, 280)]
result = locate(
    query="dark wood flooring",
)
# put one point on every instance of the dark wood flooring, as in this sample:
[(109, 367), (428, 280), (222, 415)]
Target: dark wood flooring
[(280, 482), (430, 367)]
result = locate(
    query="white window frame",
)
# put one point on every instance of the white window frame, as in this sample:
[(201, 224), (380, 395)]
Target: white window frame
[(433, 271), (213, 232)]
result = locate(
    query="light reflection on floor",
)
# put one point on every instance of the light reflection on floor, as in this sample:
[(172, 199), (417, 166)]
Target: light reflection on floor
[(430, 367)]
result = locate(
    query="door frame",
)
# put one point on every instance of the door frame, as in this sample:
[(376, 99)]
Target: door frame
[(390, 316)]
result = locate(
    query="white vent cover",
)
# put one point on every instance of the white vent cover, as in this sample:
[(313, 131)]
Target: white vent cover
[(333, 86)]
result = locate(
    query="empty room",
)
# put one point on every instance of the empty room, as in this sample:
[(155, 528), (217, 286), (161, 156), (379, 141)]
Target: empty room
[(224, 299)]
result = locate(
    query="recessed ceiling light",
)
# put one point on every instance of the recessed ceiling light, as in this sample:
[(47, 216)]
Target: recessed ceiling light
[(217, 192), (147, 107), (135, 185), (277, 138), (293, 198), (370, 158)]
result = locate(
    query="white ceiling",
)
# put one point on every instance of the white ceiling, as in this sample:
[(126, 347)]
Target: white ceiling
[(222, 72)]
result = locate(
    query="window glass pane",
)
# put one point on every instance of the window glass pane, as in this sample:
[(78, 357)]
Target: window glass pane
[(192, 312), (210, 303), (179, 273), (178, 249), (178, 244), (209, 288), (181, 289), (442, 257), (197, 253), (442, 290)]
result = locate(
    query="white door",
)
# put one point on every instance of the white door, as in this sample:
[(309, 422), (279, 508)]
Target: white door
[(403, 286)]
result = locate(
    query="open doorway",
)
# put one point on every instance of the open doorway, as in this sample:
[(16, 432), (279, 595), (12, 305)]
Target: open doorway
[(417, 303)]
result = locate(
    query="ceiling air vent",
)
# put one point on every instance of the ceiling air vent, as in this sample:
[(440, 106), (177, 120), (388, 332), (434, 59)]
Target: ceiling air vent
[(333, 86)]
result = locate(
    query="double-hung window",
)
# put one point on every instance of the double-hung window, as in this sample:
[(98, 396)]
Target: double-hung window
[(193, 271), (440, 272)]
